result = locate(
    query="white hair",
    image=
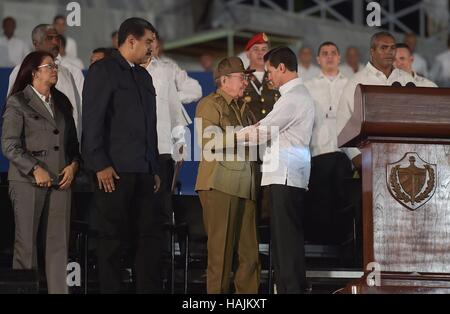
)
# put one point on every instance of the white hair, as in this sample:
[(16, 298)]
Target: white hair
[(40, 32)]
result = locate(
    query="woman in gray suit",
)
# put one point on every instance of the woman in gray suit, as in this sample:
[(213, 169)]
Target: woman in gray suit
[(39, 139)]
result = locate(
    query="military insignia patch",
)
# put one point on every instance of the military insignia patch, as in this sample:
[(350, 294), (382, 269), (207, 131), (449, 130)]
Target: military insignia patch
[(412, 181)]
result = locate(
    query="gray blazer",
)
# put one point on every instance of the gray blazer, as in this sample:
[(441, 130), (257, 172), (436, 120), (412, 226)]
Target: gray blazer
[(31, 136)]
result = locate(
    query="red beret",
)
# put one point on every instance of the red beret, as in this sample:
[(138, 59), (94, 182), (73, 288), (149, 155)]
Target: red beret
[(260, 38)]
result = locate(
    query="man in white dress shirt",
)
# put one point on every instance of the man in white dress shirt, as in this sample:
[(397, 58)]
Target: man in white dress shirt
[(286, 170), (329, 166), (379, 71), (170, 128), (65, 58), (419, 66), (75, 68), (441, 68), (59, 23), (404, 61), (16, 50), (189, 90), (46, 38), (306, 69), (352, 63)]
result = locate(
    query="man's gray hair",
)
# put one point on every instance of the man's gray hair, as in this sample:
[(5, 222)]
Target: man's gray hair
[(40, 32)]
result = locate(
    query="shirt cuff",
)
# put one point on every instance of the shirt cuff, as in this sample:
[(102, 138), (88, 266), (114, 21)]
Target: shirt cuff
[(351, 152)]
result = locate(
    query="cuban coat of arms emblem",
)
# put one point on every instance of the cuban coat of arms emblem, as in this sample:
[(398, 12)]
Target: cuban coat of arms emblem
[(412, 181)]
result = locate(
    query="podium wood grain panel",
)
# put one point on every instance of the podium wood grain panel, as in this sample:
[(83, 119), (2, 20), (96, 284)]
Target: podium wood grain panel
[(405, 240)]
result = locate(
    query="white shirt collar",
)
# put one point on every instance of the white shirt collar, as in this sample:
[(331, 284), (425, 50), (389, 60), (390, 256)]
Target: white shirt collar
[(290, 85), (259, 75), (375, 71), (338, 76), (154, 64), (155, 61), (306, 68), (42, 96)]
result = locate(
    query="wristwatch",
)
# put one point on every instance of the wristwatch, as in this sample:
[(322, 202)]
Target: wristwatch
[(35, 167)]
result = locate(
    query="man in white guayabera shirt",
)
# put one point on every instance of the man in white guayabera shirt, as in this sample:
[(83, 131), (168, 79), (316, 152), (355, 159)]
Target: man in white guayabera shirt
[(404, 60), (307, 70), (379, 71), (352, 64), (286, 166), (12, 49), (329, 166), (188, 89), (419, 65)]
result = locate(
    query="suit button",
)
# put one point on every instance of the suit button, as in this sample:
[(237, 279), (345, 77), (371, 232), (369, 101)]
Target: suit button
[(56, 132), (36, 117), (56, 148)]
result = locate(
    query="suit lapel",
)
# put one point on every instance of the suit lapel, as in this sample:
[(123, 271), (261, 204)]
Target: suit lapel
[(36, 104), (59, 117)]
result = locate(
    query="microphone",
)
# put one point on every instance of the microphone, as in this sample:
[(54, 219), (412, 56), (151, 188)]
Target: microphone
[(396, 84), (411, 84)]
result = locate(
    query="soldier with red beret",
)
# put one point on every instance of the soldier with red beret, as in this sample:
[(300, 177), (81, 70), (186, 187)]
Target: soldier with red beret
[(259, 96)]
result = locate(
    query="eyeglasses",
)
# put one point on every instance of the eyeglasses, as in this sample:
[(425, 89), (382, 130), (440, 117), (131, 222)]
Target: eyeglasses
[(241, 77), (50, 66)]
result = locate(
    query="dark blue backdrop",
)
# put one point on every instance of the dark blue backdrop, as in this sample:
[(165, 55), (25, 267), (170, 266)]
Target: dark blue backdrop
[(188, 173)]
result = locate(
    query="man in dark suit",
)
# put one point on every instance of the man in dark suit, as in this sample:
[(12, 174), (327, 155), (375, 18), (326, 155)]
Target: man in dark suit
[(120, 146)]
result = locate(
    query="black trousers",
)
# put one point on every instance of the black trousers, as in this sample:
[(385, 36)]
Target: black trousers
[(132, 203), (327, 198), (288, 245)]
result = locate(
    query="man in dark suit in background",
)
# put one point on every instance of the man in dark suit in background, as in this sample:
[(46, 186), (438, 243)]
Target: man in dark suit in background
[(120, 146)]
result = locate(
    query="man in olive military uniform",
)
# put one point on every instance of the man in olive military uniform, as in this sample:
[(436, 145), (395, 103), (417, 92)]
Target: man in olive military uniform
[(259, 95), (226, 186), (260, 98)]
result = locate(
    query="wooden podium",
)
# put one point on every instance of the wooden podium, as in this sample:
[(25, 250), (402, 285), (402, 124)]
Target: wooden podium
[(404, 136)]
